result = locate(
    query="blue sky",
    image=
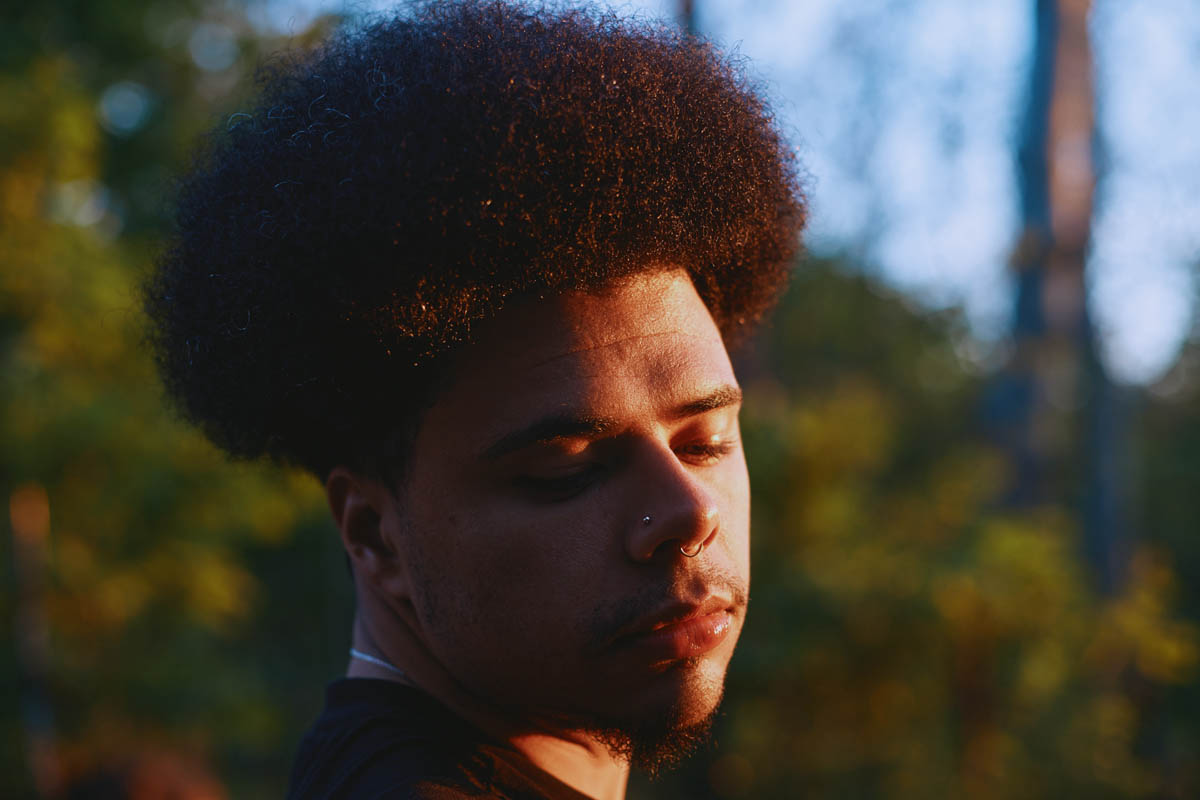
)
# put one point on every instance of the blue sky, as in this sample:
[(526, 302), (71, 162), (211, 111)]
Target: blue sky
[(904, 114)]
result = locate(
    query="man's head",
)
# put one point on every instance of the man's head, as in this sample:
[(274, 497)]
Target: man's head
[(489, 258), (585, 442)]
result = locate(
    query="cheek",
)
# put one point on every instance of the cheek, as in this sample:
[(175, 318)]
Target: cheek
[(510, 597), (511, 569), (548, 560)]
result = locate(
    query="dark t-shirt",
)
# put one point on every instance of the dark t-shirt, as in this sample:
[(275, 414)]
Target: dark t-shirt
[(382, 739)]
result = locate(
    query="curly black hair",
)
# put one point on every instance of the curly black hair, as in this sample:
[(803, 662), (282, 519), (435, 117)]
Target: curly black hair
[(401, 181)]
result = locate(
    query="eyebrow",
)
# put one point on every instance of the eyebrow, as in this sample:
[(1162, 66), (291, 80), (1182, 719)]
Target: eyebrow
[(579, 426), (719, 398)]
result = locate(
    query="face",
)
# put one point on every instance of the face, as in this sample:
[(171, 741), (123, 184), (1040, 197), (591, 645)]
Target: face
[(584, 441)]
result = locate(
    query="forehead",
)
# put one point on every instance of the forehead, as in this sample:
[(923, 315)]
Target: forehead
[(626, 350)]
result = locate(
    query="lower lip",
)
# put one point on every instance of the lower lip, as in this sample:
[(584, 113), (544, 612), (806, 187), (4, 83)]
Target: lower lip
[(681, 640)]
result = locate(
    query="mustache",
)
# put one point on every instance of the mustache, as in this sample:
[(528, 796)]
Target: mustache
[(606, 625)]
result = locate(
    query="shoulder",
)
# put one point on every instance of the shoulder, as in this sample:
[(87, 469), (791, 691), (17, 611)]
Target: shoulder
[(377, 739)]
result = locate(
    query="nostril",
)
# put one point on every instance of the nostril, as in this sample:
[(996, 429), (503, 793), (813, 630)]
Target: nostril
[(680, 514)]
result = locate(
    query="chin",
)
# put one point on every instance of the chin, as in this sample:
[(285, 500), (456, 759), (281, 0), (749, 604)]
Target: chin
[(671, 723), (656, 743), (697, 687)]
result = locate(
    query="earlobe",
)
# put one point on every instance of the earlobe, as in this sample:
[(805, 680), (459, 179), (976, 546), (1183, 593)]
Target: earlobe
[(364, 511)]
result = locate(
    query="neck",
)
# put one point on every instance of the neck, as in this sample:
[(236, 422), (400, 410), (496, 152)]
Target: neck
[(572, 757)]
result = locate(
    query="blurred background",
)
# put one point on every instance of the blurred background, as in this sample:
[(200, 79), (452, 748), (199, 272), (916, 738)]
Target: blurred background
[(973, 426)]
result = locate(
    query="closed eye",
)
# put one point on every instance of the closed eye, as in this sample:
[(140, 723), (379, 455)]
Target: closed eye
[(556, 488), (567, 485), (706, 454)]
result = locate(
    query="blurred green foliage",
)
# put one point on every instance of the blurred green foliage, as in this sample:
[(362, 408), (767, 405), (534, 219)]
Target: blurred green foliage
[(908, 637), (185, 609), (179, 615)]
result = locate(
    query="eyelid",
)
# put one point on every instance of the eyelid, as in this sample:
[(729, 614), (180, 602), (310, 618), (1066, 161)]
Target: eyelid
[(562, 487), (711, 451), (713, 428), (696, 451)]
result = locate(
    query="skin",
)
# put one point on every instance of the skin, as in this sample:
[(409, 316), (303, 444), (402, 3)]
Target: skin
[(499, 572)]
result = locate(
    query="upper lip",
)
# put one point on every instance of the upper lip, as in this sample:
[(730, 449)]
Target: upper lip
[(673, 613)]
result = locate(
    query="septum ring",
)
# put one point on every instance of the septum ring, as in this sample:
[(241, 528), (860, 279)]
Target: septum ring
[(646, 520)]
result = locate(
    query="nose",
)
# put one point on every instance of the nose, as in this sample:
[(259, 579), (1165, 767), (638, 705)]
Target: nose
[(681, 515)]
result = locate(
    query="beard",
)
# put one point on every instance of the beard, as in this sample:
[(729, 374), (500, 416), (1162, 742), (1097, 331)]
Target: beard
[(655, 749), (657, 743)]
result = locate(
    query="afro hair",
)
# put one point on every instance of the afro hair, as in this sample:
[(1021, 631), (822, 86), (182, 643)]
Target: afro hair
[(401, 181)]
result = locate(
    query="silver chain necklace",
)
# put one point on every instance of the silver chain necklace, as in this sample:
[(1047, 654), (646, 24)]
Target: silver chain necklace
[(379, 662)]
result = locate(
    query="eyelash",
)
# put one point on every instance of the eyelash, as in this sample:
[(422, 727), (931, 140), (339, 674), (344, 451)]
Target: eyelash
[(561, 488), (709, 453), (565, 487)]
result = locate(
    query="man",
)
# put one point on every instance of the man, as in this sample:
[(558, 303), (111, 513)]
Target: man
[(475, 267)]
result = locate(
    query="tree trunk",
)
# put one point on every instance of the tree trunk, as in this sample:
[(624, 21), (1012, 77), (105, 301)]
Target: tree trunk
[(1055, 408), (687, 16)]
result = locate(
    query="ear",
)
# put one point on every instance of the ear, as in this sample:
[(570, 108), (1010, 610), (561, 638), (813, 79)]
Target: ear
[(365, 512)]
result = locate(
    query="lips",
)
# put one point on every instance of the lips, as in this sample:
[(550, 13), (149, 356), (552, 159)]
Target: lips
[(679, 631)]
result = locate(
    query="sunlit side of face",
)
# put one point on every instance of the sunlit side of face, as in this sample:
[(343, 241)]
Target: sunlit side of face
[(522, 522)]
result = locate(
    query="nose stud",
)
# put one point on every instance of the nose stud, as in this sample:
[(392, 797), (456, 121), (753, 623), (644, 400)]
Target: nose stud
[(646, 520)]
